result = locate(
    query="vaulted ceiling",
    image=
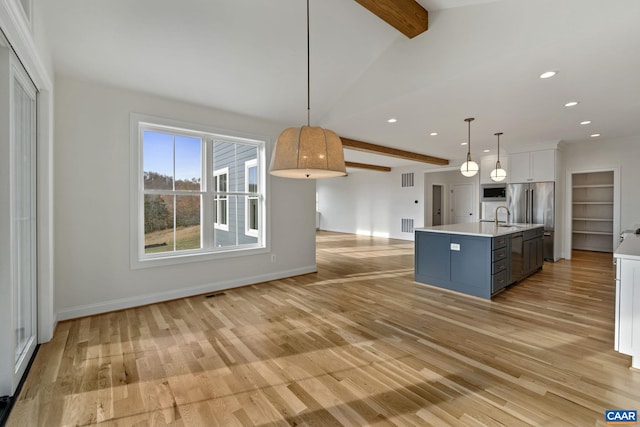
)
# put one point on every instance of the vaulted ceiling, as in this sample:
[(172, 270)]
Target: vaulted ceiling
[(479, 58)]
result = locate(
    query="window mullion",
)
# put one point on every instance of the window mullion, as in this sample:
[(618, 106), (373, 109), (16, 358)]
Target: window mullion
[(207, 198)]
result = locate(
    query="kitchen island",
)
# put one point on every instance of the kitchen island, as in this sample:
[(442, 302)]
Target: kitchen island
[(478, 258)]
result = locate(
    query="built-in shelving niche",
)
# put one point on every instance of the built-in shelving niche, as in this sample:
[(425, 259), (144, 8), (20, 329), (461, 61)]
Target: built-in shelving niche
[(592, 207)]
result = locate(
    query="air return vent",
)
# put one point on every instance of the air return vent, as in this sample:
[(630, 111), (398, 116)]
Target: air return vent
[(407, 179), (407, 225)]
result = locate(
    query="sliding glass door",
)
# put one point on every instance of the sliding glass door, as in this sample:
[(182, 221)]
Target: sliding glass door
[(18, 279), (24, 217)]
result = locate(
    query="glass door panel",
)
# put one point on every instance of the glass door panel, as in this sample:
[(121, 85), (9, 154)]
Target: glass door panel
[(23, 191), (24, 215)]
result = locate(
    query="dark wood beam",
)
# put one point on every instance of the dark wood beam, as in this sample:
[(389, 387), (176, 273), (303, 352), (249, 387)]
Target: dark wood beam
[(406, 16), (392, 152), (367, 166)]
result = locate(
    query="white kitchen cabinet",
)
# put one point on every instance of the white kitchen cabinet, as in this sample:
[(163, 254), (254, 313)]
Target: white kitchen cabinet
[(487, 164), (627, 320), (532, 166)]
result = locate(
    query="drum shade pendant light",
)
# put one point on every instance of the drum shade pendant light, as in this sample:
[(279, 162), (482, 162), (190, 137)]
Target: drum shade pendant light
[(498, 174), (469, 168), (308, 152)]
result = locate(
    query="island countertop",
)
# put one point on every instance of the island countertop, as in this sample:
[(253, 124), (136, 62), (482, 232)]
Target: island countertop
[(482, 229), (629, 248)]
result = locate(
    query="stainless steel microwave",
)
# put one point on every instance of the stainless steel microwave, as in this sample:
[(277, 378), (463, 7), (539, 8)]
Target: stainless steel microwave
[(493, 193)]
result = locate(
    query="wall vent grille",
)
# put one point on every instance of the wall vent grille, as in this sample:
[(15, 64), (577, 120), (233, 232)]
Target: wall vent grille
[(407, 225), (407, 179)]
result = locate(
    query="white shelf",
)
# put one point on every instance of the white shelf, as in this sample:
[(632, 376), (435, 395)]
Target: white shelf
[(594, 186), (595, 233), (592, 203), (594, 219), (593, 248)]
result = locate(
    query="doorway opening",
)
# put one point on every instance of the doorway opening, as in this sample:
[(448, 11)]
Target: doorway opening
[(436, 205), (593, 211)]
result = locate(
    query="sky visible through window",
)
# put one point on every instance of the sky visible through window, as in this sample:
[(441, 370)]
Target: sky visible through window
[(159, 155)]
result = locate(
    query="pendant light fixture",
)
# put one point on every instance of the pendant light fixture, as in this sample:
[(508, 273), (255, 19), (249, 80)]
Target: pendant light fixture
[(469, 168), (498, 174), (308, 152)]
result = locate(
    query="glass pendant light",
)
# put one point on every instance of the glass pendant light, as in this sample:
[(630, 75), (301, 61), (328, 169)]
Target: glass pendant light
[(308, 152), (469, 168), (498, 174)]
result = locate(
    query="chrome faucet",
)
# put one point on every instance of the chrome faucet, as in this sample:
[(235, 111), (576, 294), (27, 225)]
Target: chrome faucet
[(508, 214)]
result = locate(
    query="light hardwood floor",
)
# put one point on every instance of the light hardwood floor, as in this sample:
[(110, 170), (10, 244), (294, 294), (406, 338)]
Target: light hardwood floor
[(358, 343)]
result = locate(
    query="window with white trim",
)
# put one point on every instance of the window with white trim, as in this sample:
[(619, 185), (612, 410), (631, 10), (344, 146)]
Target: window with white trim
[(194, 194)]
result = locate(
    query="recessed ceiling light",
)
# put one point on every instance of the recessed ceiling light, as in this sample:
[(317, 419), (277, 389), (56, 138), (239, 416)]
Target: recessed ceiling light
[(485, 151), (463, 143), (571, 104), (586, 122), (392, 120), (595, 135), (433, 133), (547, 74)]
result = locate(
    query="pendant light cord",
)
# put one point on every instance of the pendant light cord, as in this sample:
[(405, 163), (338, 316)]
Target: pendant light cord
[(469, 120), (308, 71), (469, 141), (498, 135)]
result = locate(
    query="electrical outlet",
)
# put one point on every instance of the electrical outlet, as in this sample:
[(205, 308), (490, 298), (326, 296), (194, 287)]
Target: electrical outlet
[(274, 258)]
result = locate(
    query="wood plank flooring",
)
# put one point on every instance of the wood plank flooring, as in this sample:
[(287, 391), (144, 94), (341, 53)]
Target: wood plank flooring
[(358, 343)]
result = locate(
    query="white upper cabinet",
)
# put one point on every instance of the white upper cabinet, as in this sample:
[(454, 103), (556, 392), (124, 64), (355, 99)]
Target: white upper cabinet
[(488, 163), (533, 166)]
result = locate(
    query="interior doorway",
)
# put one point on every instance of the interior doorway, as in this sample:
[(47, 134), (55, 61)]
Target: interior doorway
[(436, 205), (593, 207)]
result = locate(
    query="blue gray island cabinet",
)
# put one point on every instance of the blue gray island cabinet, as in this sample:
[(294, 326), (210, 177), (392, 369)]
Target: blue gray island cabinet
[(477, 258)]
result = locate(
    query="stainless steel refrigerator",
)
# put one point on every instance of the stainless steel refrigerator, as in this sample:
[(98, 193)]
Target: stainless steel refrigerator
[(533, 203)]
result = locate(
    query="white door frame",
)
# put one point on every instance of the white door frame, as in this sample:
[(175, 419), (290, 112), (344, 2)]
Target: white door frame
[(568, 200), (19, 33)]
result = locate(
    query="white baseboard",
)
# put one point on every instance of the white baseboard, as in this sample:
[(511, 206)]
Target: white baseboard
[(124, 303)]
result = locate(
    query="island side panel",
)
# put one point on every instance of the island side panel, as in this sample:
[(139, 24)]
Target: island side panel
[(467, 270), (471, 265), (432, 259)]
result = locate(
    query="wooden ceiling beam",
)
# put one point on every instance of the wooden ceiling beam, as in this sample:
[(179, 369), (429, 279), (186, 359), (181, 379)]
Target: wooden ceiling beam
[(406, 16), (367, 166), (392, 152)]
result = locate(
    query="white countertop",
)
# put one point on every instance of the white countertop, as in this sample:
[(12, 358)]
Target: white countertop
[(629, 248), (483, 229)]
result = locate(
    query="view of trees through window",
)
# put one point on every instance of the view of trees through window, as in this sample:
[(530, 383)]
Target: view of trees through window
[(172, 183), (186, 206)]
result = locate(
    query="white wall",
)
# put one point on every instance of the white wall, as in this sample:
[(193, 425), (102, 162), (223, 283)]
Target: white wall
[(622, 153), (371, 203), (374, 203), (92, 272)]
